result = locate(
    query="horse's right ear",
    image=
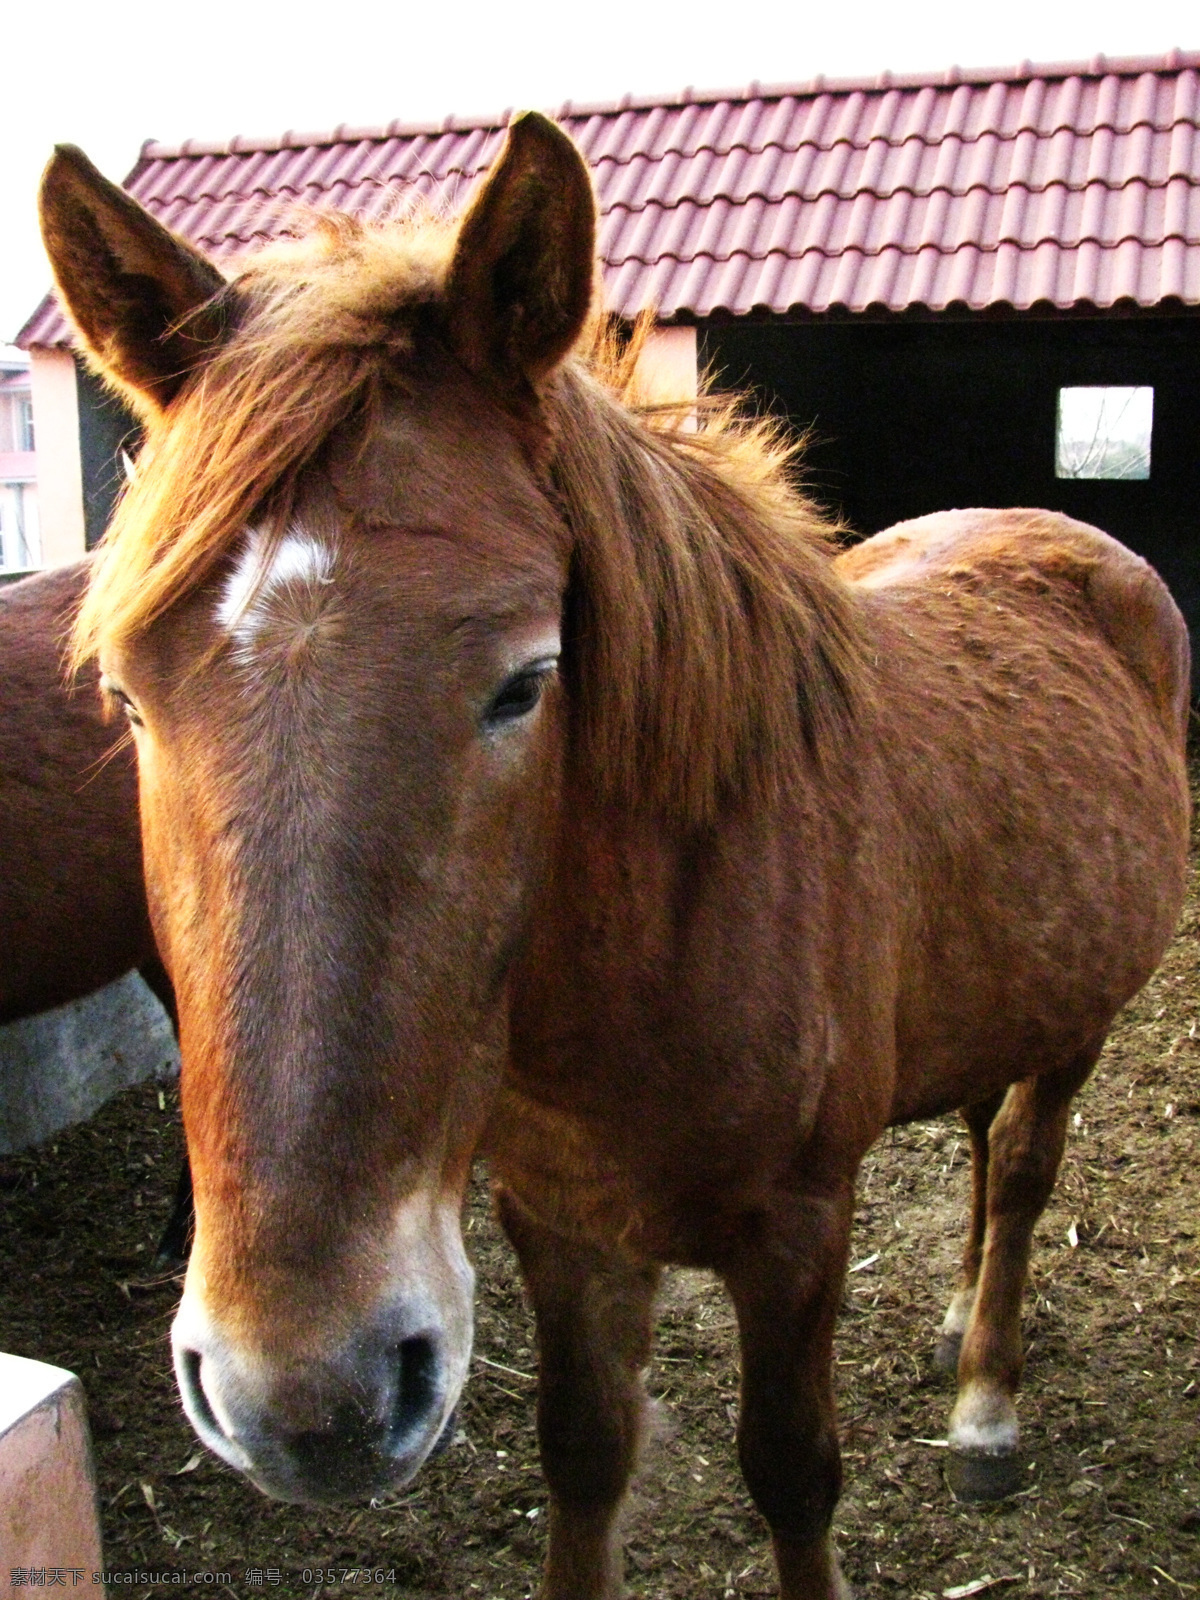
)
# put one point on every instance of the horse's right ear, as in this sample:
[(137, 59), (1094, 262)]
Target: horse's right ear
[(133, 289)]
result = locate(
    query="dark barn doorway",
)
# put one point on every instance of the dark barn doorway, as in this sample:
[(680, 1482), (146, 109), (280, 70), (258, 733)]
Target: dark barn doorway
[(909, 416)]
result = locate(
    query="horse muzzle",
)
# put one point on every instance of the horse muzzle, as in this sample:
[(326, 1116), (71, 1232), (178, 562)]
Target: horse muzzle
[(327, 1429)]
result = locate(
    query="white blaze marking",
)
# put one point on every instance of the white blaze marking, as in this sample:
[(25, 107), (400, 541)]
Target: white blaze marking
[(299, 559)]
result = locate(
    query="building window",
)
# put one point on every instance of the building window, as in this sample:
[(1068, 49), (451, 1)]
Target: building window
[(1104, 433), (25, 424)]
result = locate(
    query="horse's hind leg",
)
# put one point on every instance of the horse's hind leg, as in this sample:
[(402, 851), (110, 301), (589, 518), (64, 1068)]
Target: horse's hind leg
[(1024, 1148), (594, 1311), (175, 1244), (978, 1118), (176, 1241)]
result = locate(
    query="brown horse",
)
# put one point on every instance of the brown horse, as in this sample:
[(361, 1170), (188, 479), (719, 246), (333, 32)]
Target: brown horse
[(525, 776), (73, 899)]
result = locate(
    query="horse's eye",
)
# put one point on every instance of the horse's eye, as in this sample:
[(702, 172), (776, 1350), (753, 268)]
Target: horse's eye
[(518, 696), (118, 694)]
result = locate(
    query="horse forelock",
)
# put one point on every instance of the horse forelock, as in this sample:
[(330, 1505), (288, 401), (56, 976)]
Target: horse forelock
[(712, 647), (315, 326)]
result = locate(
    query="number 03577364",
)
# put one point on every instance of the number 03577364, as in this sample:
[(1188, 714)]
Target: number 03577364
[(344, 1575)]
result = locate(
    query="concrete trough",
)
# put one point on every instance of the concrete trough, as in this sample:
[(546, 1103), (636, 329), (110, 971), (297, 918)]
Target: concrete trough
[(60, 1067), (49, 1519)]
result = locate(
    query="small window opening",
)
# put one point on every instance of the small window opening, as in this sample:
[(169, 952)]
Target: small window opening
[(25, 438), (1104, 433)]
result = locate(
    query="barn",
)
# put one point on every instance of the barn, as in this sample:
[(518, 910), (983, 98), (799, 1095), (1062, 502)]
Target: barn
[(975, 288)]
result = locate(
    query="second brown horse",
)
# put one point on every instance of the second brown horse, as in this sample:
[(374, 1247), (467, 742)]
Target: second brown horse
[(72, 896)]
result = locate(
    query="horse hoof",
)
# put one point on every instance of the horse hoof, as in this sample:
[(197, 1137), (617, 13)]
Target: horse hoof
[(982, 1477), (945, 1354)]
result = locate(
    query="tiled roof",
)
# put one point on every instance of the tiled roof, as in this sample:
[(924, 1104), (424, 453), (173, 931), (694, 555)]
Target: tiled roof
[(1064, 185)]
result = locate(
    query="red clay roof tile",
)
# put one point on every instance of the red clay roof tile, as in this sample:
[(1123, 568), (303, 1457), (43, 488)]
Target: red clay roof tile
[(1069, 184)]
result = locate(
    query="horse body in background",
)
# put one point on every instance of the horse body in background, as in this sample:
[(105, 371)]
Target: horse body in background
[(73, 897), (522, 777)]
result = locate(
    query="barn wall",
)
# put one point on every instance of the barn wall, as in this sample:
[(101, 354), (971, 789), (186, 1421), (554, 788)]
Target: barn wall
[(56, 435), (666, 368), (909, 417)]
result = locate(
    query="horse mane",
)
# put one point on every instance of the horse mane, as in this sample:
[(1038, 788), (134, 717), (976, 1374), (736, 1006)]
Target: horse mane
[(711, 646)]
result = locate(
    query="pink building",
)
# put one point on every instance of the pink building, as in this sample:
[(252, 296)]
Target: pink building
[(20, 542)]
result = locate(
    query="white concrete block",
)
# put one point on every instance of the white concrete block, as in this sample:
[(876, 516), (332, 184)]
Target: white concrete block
[(60, 1067), (49, 1520)]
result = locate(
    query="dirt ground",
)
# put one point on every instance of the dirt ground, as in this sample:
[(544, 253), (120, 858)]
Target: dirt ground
[(1109, 1410)]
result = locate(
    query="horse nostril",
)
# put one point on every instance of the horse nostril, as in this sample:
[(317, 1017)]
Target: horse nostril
[(194, 1396), (416, 1386)]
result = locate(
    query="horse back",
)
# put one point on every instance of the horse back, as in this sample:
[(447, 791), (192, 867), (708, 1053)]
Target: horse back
[(1034, 552)]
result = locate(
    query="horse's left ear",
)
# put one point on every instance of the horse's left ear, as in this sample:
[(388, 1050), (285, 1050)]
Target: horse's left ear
[(133, 288), (520, 285)]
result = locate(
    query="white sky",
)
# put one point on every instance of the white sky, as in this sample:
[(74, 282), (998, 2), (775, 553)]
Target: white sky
[(108, 75)]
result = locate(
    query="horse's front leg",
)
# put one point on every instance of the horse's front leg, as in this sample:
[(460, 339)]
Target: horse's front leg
[(786, 1288), (594, 1312), (1024, 1148)]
